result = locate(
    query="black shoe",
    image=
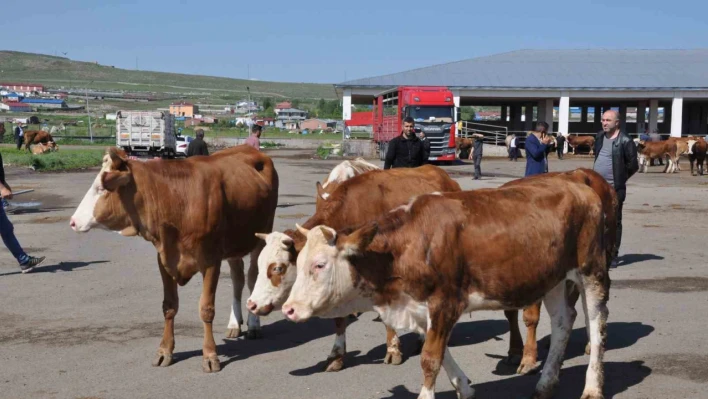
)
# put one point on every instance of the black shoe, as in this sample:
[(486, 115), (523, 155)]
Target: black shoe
[(31, 263)]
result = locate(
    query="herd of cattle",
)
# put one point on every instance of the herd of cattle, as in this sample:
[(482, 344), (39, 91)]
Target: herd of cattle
[(406, 243)]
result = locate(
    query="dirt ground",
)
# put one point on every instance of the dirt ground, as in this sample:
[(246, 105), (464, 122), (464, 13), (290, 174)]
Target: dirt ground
[(87, 323)]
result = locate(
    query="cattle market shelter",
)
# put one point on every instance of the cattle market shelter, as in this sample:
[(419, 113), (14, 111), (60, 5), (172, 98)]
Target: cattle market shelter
[(529, 85)]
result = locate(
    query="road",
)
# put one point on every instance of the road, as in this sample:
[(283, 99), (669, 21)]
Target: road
[(87, 324)]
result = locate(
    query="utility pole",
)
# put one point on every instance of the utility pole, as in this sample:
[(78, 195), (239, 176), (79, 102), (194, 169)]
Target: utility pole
[(88, 113)]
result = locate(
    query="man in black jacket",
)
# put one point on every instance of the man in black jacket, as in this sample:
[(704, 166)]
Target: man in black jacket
[(426, 147), (198, 146), (406, 150), (616, 161)]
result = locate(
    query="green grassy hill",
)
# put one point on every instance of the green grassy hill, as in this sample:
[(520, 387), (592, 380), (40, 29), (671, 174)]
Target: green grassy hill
[(55, 72)]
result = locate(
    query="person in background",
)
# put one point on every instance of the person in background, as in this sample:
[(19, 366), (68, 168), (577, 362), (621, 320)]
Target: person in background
[(19, 135), (560, 145), (7, 230), (477, 150), (198, 146), (426, 146), (537, 143), (254, 139), (513, 149), (405, 150)]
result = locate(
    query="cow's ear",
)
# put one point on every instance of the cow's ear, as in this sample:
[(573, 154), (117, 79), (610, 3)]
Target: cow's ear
[(112, 180), (357, 242), (118, 162), (320, 190)]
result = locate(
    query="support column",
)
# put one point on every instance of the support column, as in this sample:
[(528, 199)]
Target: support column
[(653, 116), (677, 114), (548, 117), (703, 127), (641, 116), (515, 117), (456, 100), (564, 114), (597, 121), (503, 114), (694, 119), (623, 116), (347, 105), (584, 114), (528, 117)]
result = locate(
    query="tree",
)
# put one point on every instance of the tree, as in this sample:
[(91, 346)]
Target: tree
[(296, 103), (269, 112), (267, 103)]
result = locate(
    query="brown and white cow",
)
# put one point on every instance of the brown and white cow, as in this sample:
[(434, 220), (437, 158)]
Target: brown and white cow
[(340, 173), (41, 148), (657, 149), (532, 314), (682, 147), (424, 264), (575, 141), (196, 212), (697, 154), (353, 203)]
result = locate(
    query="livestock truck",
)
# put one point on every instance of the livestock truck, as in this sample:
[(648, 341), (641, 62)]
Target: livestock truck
[(147, 133), (433, 111)]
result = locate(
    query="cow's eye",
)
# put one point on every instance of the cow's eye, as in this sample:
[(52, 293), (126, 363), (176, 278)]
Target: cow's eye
[(320, 265), (278, 269)]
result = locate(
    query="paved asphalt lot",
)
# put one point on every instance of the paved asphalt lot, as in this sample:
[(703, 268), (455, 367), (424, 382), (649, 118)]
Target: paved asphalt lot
[(88, 322)]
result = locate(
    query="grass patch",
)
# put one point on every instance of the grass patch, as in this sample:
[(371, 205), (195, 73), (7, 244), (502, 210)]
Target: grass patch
[(64, 159)]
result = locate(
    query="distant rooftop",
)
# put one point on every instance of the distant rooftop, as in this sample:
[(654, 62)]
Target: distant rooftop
[(560, 69)]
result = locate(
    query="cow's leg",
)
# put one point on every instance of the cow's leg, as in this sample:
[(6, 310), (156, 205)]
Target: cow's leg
[(441, 319), (516, 344), (562, 318), (531, 316), (238, 281), (210, 361), (457, 377), (393, 348), (170, 305), (254, 322), (692, 161), (335, 360), (596, 294)]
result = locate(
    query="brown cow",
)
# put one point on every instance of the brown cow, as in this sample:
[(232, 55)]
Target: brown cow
[(655, 149), (681, 147), (577, 141), (196, 212), (423, 265), (532, 314), (353, 203), (697, 154), (41, 148), (36, 137)]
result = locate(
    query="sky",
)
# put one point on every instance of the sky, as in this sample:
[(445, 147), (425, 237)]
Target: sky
[(328, 41)]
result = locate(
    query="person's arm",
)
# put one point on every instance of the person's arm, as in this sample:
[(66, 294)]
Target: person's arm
[(5, 190), (630, 156), (390, 154), (535, 148), (205, 149)]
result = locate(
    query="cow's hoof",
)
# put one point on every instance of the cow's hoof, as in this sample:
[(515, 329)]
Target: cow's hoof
[(254, 334), (233, 332), (513, 360), (527, 367), (592, 395), (334, 364), (394, 358), (162, 359), (211, 364), (587, 348)]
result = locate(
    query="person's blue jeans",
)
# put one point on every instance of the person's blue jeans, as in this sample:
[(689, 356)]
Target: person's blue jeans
[(8, 237)]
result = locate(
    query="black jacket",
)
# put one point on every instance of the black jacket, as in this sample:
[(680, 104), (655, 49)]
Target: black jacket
[(197, 147), (624, 158), (405, 153)]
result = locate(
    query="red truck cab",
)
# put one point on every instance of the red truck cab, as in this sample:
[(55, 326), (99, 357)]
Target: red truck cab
[(432, 109)]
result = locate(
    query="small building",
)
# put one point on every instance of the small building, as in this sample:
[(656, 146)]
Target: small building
[(318, 124), (22, 87), (281, 106), (12, 96), (183, 108), (36, 102), (14, 106)]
